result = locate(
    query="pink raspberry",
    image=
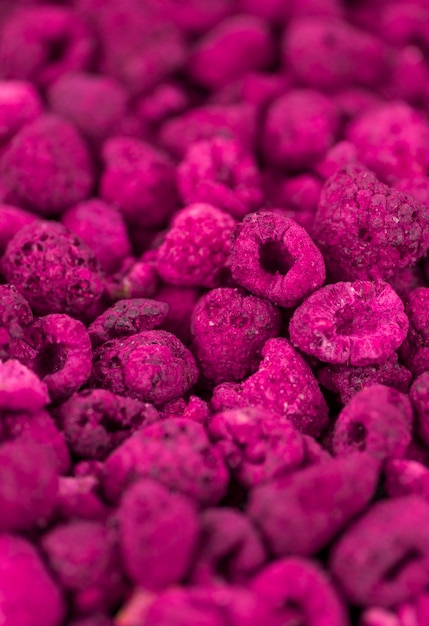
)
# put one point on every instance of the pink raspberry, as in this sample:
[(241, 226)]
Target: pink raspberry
[(366, 229), (233, 121), (53, 269), (15, 316), (28, 594), (274, 258), (127, 317), (298, 588), (379, 420), (84, 557), (78, 498), (230, 328), (96, 421), (237, 45), (103, 229), (20, 104), (220, 172), (177, 453), (258, 445), (196, 248), (406, 478), (347, 380), (392, 140), (356, 323), (299, 128), (415, 349), (12, 219), (230, 548), (152, 366), (140, 180), (21, 389), (134, 279), (41, 43), (96, 105), (302, 512), (381, 560), (47, 166), (181, 302), (329, 54), (149, 515)]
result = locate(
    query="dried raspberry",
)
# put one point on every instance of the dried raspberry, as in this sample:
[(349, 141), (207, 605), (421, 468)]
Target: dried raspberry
[(405, 281), (230, 328), (298, 589), (20, 104), (12, 219), (392, 140), (83, 556), (52, 269), (229, 549), (348, 381), (339, 156), (234, 121), (220, 172), (366, 229), (41, 43), (283, 384), (135, 279), (356, 323), (299, 128), (415, 349), (96, 421), (28, 485), (196, 248), (329, 54), (257, 445), (419, 396), (62, 354), (406, 478), (47, 166), (381, 560), (153, 366), (127, 317), (177, 453), (378, 420), (28, 595), (37, 428), (21, 389), (237, 45), (96, 105), (102, 227), (140, 180), (154, 554), (78, 498), (303, 512), (274, 258), (15, 316)]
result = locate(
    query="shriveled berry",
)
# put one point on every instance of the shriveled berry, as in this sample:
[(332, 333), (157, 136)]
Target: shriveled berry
[(53, 269), (350, 323), (274, 258), (377, 419), (158, 533), (366, 229), (230, 328), (15, 316), (196, 247), (21, 389), (12, 219), (415, 349)]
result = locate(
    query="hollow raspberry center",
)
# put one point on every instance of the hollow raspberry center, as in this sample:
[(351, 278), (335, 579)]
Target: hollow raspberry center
[(274, 258), (50, 359)]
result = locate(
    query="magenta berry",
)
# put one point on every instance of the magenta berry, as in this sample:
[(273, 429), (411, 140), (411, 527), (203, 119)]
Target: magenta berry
[(230, 328), (20, 104), (195, 228), (350, 323), (274, 258), (415, 349), (47, 166), (12, 219), (53, 269), (21, 389)]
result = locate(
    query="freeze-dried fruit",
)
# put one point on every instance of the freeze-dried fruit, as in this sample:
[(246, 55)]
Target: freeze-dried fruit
[(12, 219), (158, 532), (47, 167), (53, 269), (419, 396), (21, 389), (406, 478), (367, 230), (274, 258), (181, 302), (20, 104), (196, 248), (350, 323), (153, 366), (415, 349), (230, 328), (382, 559), (15, 316), (378, 419)]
